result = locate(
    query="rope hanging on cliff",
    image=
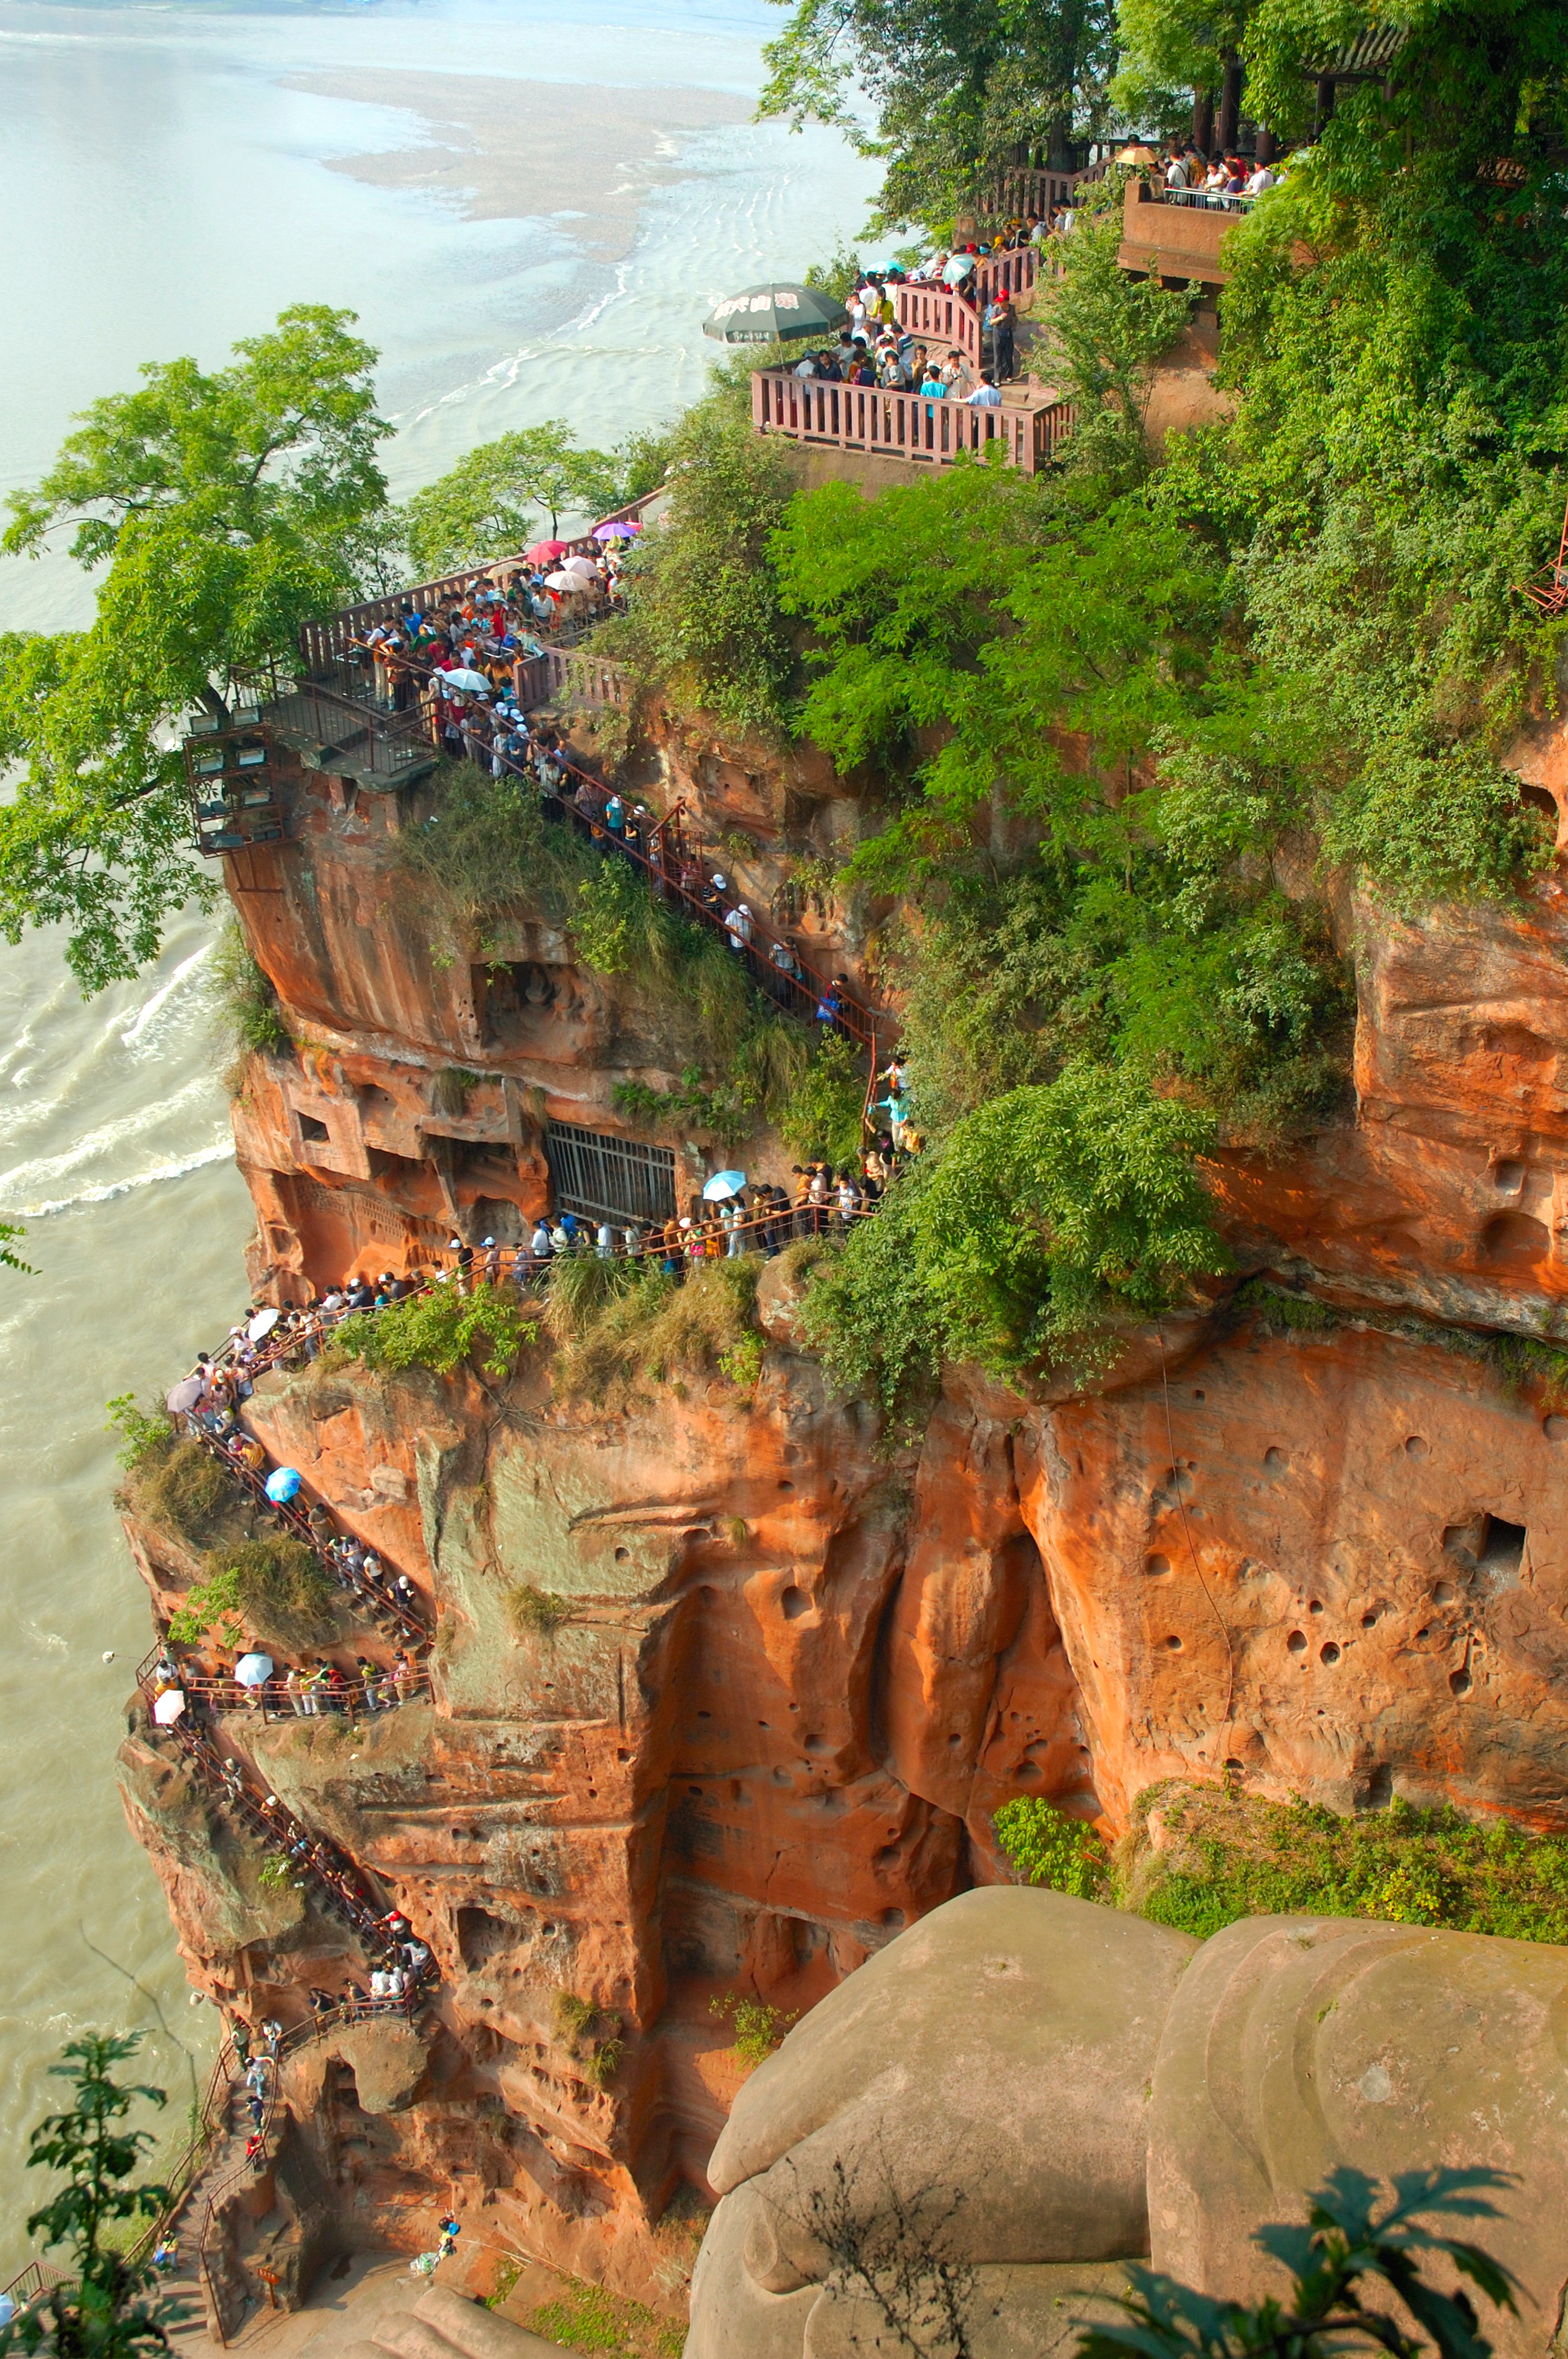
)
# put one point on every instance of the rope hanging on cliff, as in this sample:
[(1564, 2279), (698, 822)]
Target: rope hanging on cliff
[(1192, 1551)]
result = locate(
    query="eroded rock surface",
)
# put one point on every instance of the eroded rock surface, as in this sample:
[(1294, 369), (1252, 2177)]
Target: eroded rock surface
[(798, 1670)]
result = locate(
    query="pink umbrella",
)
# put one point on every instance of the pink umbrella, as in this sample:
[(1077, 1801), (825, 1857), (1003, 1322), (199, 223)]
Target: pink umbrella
[(543, 548), (168, 1707)]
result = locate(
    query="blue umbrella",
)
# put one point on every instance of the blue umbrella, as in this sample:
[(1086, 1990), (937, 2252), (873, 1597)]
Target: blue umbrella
[(282, 1484), (723, 1184)]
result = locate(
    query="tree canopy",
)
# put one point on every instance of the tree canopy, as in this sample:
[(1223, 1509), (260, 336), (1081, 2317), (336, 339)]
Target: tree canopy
[(494, 501), (226, 508), (956, 85)]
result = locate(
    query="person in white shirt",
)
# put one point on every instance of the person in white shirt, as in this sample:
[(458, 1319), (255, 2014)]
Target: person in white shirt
[(985, 396), (1263, 178), (737, 925)]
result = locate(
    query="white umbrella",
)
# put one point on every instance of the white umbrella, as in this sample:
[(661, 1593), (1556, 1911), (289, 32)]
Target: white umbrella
[(254, 1670), (474, 683), (186, 1395), (560, 581), (262, 1325), (169, 1706), (583, 567), (958, 268)]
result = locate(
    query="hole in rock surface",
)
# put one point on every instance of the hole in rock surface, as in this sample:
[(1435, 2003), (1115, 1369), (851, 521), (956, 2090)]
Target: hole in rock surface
[(1460, 1682), (1275, 1461), (1416, 1447), (1328, 1654), (315, 1133), (1157, 1565), (1380, 1785), (1297, 1642), (1505, 1173), (1502, 1549), (1556, 1429), (1444, 1592), (893, 1919), (795, 1603), (817, 1744), (622, 1556), (1174, 1644), (481, 1936), (1512, 1241)]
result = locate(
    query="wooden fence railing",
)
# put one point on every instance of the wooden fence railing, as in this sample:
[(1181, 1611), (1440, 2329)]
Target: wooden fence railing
[(914, 426)]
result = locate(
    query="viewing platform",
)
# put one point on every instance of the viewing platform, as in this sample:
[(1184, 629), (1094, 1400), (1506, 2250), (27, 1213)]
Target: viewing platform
[(907, 426), (1175, 236)]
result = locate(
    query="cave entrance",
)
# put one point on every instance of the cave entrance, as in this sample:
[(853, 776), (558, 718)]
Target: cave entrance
[(609, 1179)]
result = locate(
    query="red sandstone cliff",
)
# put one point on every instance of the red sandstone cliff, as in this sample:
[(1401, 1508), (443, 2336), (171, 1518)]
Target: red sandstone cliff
[(797, 1673)]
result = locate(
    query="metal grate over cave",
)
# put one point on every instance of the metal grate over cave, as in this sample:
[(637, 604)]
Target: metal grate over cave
[(604, 1178)]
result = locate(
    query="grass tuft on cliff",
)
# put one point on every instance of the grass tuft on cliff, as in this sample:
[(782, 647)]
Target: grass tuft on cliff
[(171, 1482), (1223, 1855), (245, 1012), (620, 1327)]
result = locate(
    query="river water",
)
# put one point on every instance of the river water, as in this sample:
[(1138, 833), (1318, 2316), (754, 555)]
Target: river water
[(531, 209)]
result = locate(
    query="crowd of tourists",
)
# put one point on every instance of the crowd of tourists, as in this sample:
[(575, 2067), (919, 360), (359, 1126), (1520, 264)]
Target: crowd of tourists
[(501, 617), (1191, 178), (875, 349)]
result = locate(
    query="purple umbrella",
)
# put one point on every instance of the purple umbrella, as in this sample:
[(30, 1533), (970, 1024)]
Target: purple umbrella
[(616, 531)]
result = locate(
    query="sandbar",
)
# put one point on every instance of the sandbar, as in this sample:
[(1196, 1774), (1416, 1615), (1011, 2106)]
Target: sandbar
[(501, 149)]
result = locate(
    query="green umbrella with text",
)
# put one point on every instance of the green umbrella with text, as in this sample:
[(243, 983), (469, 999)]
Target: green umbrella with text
[(760, 315)]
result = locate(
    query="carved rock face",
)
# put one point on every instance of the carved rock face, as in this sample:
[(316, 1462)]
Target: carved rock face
[(996, 2089)]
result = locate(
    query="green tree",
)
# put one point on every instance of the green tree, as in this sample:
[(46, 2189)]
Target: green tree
[(1105, 332), (107, 2308), (1344, 2264), (226, 507), (958, 86), (705, 625), (492, 502)]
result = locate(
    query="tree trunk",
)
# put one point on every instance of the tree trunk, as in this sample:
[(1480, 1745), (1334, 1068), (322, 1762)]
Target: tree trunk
[(1324, 111), (1203, 121), (213, 703), (1268, 145), (1230, 103), (1059, 143)]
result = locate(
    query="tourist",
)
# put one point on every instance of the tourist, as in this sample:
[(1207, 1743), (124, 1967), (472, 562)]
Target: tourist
[(737, 925), (987, 394), (1001, 322)]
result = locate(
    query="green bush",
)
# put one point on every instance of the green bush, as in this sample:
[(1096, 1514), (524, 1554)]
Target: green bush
[(442, 1330), (146, 1435), (285, 1595), (213, 1604), (243, 1001), (1225, 1855), (758, 2027), (1231, 1856), (1046, 1218), (1047, 1847), (821, 1116)]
